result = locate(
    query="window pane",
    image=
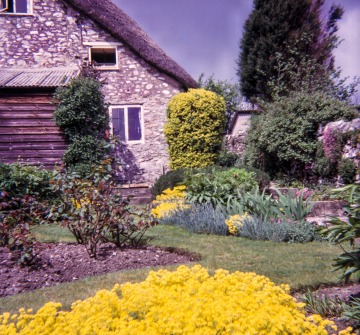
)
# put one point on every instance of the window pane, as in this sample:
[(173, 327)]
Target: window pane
[(118, 123), (104, 56), (7, 6), (134, 123), (21, 6)]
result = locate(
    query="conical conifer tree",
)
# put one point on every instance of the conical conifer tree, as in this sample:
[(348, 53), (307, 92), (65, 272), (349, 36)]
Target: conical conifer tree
[(278, 27)]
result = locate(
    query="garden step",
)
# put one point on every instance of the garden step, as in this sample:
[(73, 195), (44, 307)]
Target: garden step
[(140, 193)]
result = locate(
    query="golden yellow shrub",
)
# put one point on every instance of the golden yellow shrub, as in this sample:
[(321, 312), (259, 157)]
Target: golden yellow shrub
[(187, 301)]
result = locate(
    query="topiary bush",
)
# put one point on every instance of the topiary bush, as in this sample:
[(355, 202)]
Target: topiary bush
[(187, 301), (194, 128)]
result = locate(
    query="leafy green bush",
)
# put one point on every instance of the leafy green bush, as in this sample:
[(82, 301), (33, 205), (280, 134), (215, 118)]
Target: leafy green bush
[(81, 115), (80, 109), (194, 128), (170, 179), (227, 158), (202, 219), (347, 170), (85, 152), (261, 177), (284, 137), (22, 179), (218, 186), (93, 214)]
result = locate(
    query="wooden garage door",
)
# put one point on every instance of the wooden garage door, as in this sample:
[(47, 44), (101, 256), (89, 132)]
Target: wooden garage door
[(27, 130)]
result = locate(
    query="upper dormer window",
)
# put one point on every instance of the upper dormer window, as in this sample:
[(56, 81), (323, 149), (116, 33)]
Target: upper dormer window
[(15, 6), (104, 57)]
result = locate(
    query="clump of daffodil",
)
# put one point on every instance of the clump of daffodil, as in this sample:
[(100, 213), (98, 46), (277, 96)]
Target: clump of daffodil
[(235, 222), (187, 301), (169, 201)]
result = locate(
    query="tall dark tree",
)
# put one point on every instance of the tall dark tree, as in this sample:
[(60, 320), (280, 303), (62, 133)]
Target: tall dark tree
[(285, 29)]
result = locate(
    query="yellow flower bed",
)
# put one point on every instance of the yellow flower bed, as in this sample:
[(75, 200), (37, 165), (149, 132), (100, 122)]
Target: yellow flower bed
[(169, 201), (235, 222), (187, 301)]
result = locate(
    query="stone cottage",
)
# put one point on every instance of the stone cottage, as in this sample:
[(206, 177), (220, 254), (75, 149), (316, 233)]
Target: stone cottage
[(44, 43)]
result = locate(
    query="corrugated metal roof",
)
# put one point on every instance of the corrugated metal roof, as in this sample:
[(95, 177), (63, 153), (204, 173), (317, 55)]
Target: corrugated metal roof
[(38, 77)]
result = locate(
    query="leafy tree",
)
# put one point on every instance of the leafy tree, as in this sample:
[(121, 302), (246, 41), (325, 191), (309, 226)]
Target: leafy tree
[(278, 28), (194, 128), (230, 92)]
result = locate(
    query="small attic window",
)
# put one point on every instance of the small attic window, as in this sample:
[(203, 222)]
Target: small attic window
[(15, 6), (104, 57)]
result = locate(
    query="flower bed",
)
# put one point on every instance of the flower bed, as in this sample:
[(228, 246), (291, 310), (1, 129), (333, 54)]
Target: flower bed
[(186, 301)]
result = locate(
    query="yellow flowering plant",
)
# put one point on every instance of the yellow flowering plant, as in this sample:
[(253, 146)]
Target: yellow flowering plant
[(169, 201), (187, 301), (235, 222)]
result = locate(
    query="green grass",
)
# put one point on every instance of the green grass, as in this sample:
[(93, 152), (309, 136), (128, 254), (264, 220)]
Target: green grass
[(299, 265)]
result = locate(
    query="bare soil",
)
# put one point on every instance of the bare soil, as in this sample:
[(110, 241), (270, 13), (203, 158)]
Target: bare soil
[(59, 263)]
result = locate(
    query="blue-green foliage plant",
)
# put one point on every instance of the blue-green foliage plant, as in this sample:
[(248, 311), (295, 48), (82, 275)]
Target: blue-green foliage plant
[(201, 218), (278, 231)]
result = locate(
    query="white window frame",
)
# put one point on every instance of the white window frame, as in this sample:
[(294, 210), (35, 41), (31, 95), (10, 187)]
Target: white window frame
[(126, 121), (29, 9), (104, 45)]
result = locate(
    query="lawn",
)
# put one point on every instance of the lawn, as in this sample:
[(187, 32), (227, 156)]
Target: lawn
[(299, 265)]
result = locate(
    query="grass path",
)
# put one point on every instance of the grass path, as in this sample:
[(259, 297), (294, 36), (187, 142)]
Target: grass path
[(296, 264)]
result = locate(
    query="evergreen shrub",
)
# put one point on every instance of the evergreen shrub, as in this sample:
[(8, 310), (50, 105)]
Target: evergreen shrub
[(194, 128), (170, 179), (347, 170), (81, 115)]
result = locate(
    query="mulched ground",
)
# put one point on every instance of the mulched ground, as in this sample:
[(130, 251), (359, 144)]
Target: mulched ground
[(62, 262)]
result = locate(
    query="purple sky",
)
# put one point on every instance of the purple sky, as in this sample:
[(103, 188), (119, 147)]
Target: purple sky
[(203, 35)]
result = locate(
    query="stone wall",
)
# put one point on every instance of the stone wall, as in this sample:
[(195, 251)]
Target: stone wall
[(351, 149), (55, 35)]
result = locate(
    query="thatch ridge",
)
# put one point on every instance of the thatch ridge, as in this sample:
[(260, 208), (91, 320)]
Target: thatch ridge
[(123, 27)]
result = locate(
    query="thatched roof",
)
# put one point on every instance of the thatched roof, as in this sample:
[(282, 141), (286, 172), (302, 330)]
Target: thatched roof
[(123, 27)]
